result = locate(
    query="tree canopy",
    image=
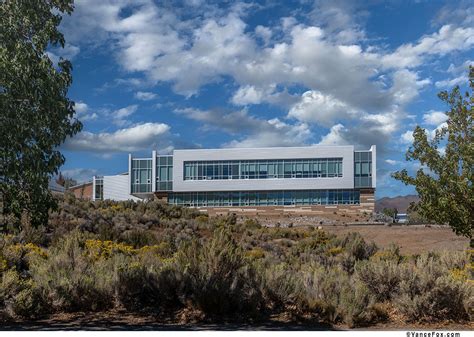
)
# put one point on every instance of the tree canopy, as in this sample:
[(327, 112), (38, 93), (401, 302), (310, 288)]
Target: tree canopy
[(445, 180), (36, 116)]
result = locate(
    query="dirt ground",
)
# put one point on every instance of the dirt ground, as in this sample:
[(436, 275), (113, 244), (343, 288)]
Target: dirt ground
[(411, 239), (122, 321)]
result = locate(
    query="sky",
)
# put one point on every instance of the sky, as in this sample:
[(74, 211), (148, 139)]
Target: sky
[(195, 74)]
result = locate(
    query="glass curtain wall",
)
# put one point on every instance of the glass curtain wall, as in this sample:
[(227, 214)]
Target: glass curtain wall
[(141, 175), (265, 198), (164, 173), (263, 169), (99, 189), (363, 169)]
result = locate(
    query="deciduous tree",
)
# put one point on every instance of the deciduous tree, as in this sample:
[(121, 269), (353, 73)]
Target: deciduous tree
[(445, 180), (36, 115)]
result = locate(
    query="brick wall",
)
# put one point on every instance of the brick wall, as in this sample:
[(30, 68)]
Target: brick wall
[(83, 191)]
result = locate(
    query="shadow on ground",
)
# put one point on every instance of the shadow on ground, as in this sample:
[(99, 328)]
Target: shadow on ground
[(143, 323)]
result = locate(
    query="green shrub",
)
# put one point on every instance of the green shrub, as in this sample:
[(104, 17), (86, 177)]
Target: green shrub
[(70, 281), (215, 278), (381, 277), (279, 284), (144, 283), (20, 297), (138, 238), (428, 293)]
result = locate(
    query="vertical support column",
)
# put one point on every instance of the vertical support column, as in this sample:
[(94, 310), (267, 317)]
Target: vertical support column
[(130, 174), (93, 188), (153, 171), (373, 149)]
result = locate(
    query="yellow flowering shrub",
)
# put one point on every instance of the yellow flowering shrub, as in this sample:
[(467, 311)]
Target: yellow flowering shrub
[(98, 249), (255, 253), (334, 251)]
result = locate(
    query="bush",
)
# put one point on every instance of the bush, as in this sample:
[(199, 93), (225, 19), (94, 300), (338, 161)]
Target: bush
[(70, 281), (428, 293), (20, 297), (143, 283), (215, 278), (381, 277)]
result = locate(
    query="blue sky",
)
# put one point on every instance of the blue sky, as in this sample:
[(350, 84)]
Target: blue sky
[(167, 75)]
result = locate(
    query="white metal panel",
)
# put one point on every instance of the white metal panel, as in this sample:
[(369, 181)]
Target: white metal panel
[(344, 152), (373, 148), (116, 188)]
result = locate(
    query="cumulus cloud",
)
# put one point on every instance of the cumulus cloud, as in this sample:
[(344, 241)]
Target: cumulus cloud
[(255, 132), (458, 75), (407, 137), (83, 112), (319, 108), (356, 91), (80, 174), (433, 117), (448, 39), (135, 138), (120, 116), (145, 96)]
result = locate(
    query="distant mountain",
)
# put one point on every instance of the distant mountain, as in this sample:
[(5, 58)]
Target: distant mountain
[(401, 203)]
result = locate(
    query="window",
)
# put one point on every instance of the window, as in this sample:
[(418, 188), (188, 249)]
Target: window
[(265, 198)]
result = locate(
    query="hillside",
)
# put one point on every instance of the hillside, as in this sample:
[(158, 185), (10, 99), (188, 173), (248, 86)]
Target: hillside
[(401, 203)]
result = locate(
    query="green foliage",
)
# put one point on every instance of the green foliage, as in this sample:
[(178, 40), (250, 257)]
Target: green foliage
[(70, 281), (221, 269), (447, 191), (215, 277), (391, 212), (36, 114)]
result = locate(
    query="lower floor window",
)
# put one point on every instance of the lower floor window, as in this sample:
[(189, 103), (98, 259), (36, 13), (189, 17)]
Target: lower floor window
[(265, 198)]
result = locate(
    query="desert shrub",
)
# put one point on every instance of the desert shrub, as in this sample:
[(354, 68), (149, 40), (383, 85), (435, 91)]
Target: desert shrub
[(69, 280), (333, 296), (251, 224), (138, 238), (19, 296), (144, 283), (279, 284), (356, 246), (356, 305), (215, 278), (381, 277), (428, 293), (255, 253)]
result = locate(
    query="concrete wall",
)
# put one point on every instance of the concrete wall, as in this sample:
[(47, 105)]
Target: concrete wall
[(117, 188), (344, 182)]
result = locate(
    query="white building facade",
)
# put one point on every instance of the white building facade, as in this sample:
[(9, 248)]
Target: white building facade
[(249, 177)]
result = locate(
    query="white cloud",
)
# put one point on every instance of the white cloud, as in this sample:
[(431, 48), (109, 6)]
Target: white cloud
[(459, 75), (407, 137), (392, 162), (80, 174), (145, 96), (362, 89), (248, 95), (83, 112), (434, 117), (448, 39), (255, 132), (135, 138), (264, 33), (319, 108), (119, 117)]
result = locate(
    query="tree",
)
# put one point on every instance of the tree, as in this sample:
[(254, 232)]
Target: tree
[(36, 116), (446, 189), (390, 212)]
